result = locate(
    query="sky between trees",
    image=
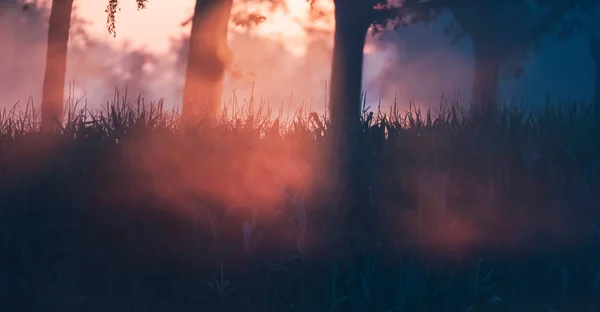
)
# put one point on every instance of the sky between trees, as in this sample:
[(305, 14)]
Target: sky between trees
[(416, 63)]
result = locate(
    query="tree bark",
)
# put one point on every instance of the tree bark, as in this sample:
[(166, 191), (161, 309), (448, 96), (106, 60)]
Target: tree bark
[(595, 52), (208, 58), (56, 64), (485, 79), (349, 181)]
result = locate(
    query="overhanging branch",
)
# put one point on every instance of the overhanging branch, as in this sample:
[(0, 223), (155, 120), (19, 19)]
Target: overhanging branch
[(548, 22), (412, 9)]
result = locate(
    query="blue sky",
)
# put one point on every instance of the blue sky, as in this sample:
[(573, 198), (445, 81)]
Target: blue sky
[(562, 68)]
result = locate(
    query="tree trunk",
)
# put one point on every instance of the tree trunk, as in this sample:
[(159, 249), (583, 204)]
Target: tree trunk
[(349, 183), (485, 80), (595, 52), (208, 58), (56, 64)]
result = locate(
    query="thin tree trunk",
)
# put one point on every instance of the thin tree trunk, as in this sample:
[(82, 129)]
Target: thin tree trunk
[(56, 64), (485, 80), (348, 179), (595, 52), (208, 58)]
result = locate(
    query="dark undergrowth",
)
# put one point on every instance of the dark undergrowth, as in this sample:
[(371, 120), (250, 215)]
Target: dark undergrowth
[(123, 211)]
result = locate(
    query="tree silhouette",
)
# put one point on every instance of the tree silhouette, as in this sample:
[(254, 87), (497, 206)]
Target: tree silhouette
[(208, 58), (503, 34), (586, 23), (56, 64), (56, 59), (353, 18), (595, 52)]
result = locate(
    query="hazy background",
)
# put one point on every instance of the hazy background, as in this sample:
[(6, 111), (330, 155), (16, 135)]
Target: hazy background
[(287, 58)]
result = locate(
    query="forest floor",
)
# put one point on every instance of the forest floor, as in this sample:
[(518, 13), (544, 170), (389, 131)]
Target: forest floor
[(124, 211)]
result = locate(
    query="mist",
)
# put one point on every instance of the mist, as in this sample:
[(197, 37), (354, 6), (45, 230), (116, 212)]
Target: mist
[(417, 64)]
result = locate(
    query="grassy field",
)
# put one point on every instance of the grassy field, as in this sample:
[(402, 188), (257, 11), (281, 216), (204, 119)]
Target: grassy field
[(124, 211)]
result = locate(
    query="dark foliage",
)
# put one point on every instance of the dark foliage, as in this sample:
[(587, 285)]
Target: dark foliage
[(123, 211)]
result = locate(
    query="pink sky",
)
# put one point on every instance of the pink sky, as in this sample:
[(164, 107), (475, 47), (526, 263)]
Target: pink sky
[(153, 26), (418, 65)]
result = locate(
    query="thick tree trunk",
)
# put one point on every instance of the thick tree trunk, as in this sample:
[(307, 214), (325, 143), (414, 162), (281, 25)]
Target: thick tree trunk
[(595, 52), (349, 181), (56, 64), (208, 58), (485, 80)]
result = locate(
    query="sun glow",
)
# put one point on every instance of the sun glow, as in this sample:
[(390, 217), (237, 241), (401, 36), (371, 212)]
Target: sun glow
[(285, 60), (292, 22), (153, 27)]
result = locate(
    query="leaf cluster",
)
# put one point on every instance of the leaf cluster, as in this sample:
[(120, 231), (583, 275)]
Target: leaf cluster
[(111, 10)]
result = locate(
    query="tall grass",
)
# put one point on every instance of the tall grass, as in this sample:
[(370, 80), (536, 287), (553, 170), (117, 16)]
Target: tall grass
[(124, 210)]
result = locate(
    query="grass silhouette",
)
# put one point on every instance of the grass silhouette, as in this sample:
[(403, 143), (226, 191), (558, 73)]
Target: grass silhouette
[(124, 211)]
